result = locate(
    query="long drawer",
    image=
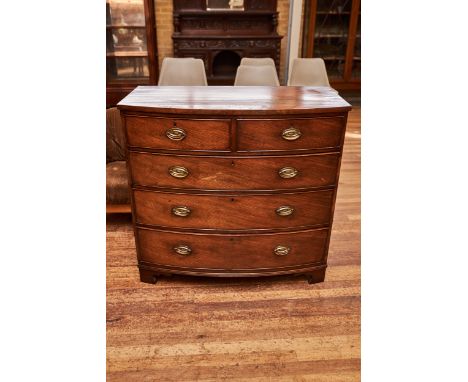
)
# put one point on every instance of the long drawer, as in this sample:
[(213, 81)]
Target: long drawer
[(290, 134), (233, 212), (233, 251), (178, 134), (234, 173)]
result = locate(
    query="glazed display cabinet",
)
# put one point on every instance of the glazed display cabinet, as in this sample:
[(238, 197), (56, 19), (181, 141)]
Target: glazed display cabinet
[(332, 31)]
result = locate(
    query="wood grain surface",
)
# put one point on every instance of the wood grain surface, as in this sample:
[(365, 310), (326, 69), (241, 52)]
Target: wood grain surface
[(200, 134), (244, 211), (232, 253), (225, 100), (275, 329), (234, 173), (266, 134)]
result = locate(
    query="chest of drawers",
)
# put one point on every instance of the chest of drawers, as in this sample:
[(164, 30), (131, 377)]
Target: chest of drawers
[(233, 181)]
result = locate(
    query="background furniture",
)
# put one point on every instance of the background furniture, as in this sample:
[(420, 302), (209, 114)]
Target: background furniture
[(308, 72), (182, 71), (222, 37), (233, 181), (117, 189), (256, 75), (332, 31), (131, 47)]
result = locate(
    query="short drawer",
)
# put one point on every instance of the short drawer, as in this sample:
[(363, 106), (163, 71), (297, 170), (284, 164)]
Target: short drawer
[(234, 173), (290, 134), (234, 251), (233, 212), (178, 134)]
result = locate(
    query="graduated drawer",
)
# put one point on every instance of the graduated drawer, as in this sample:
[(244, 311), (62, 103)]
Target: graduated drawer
[(233, 212), (178, 134), (234, 173), (290, 134), (233, 251)]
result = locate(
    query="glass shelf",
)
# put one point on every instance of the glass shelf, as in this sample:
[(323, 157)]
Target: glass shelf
[(224, 5), (331, 35), (127, 68), (125, 12), (334, 7), (126, 45), (356, 68)]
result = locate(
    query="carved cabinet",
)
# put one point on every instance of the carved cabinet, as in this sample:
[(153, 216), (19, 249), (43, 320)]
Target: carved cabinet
[(222, 36)]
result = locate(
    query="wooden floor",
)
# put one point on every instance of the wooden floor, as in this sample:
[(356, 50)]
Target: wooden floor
[(277, 329)]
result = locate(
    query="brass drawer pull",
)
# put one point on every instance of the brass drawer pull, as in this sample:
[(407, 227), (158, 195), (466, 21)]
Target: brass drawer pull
[(183, 250), (288, 172), (282, 250), (181, 211), (291, 134), (284, 211), (178, 172), (176, 133)]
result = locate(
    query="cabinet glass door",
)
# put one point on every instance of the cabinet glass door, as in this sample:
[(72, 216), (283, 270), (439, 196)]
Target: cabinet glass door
[(127, 52), (331, 35), (356, 70)]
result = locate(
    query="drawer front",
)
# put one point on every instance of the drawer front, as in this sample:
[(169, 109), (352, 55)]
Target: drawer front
[(232, 251), (178, 134), (290, 134), (234, 173), (233, 212)]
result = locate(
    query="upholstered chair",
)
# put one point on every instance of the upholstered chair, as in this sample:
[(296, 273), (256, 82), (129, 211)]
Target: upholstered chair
[(257, 61), (117, 189), (182, 72), (263, 75), (308, 72)]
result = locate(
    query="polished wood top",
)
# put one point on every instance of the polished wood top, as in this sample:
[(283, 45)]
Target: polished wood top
[(243, 100)]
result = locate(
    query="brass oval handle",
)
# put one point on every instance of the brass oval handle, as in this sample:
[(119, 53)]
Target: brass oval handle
[(181, 211), (176, 133), (183, 250), (288, 172), (284, 211), (178, 172), (281, 250), (291, 134)]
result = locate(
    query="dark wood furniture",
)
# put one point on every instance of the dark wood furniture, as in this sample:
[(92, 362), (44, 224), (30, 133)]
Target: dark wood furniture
[(131, 48), (233, 181), (332, 31), (221, 38), (117, 190)]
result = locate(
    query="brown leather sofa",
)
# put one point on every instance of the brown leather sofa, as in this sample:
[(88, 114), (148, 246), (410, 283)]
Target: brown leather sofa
[(117, 189)]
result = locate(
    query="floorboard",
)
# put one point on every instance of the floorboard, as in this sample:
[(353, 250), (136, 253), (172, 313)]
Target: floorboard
[(274, 329)]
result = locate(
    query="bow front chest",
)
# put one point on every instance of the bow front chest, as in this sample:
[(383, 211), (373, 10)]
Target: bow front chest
[(233, 181)]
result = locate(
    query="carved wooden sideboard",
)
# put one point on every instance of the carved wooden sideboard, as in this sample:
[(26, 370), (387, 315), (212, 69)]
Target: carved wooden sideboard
[(233, 181), (222, 37)]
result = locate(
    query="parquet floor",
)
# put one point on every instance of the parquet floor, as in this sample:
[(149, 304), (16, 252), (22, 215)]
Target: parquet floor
[(277, 329)]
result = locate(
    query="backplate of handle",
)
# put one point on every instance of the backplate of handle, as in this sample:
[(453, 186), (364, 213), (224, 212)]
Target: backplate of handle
[(288, 172), (281, 250), (183, 250), (176, 133), (182, 211), (284, 210), (178, 172), (291, 133)]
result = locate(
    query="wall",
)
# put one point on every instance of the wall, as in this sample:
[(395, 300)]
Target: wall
[(283, 19), (295, 32), (165, 29)]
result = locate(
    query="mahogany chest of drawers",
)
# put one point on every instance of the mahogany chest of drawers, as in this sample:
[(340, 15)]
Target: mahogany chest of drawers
[(233, 181)]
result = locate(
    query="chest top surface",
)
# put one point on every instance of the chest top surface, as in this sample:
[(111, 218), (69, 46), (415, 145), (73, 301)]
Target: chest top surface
[(234, 100)]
